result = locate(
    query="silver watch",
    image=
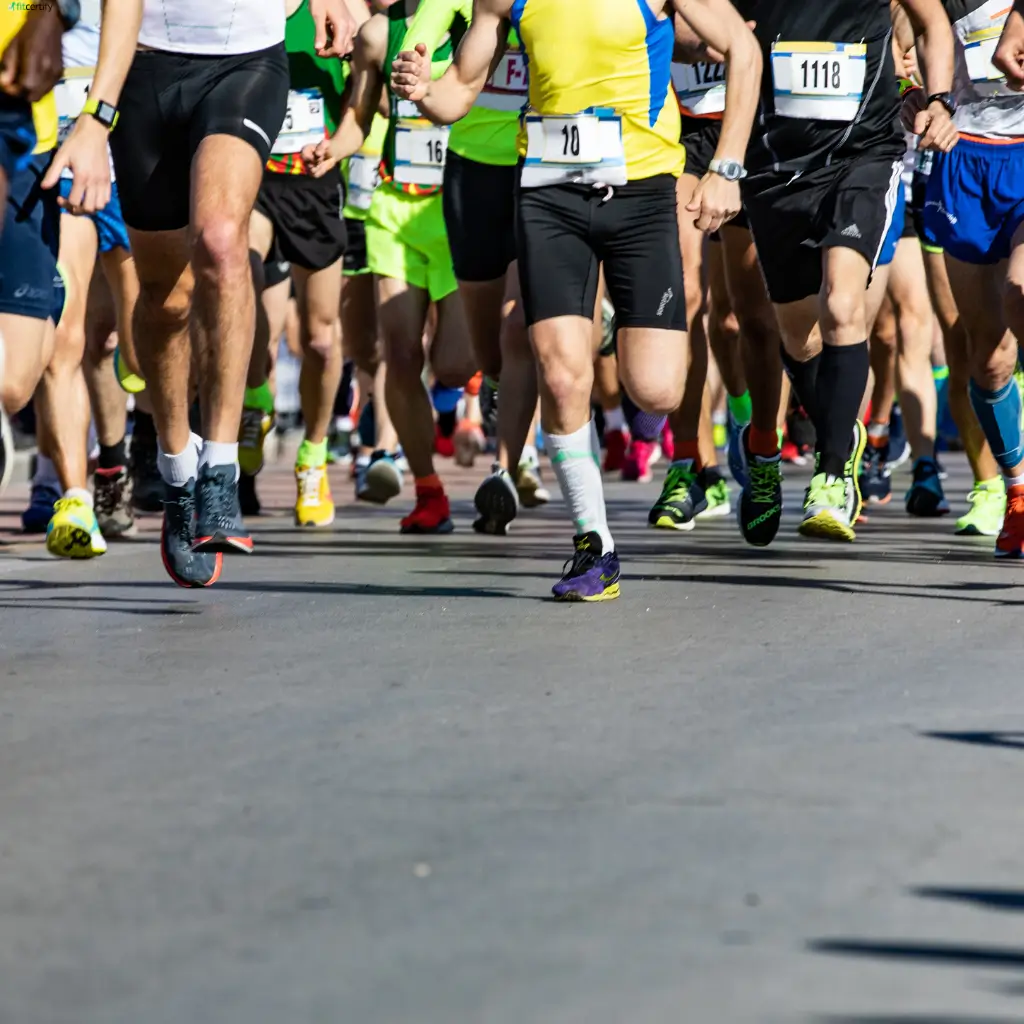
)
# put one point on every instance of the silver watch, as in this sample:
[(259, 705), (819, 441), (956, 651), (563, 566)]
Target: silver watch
[(731, 170)]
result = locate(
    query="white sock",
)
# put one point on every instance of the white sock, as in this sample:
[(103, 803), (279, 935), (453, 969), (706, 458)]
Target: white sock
[(576, 461), (80, 493), (529, 456), (1013, 481), (46, 473), (614, 419), (218, 453), (178, 469)]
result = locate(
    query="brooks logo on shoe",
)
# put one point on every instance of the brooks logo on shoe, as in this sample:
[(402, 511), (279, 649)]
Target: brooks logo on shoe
[(764, 517)]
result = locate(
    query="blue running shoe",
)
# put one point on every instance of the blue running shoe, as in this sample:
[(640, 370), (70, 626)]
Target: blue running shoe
[(875, 478), (737, 463), (380, 480), (186, 567), (590, 575), (219, 525), (925, 497), (899, 446), (41, 507)]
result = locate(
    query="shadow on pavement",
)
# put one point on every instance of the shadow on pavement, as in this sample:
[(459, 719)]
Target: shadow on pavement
[(935, 953), (909, 1018), (989, 899), (1012, 740)]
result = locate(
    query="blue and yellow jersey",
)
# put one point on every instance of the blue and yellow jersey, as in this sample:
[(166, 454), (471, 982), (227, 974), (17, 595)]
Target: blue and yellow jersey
[(585, 54), (44, 113)]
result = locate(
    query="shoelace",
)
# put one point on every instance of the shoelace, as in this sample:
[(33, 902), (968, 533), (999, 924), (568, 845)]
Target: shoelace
[(763, 481), (218, 501), (678, 483), (582, 560), (252, 428), (108, 494), (309, 485)]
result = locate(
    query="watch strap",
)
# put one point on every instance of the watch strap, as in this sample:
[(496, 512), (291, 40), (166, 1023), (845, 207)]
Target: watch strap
[(946, 99)]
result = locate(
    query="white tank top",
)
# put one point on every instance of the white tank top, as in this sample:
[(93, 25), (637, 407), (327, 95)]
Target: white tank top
[(206, 27)]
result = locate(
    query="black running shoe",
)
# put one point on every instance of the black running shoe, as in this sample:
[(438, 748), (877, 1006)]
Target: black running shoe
[(760, 504), (186, 567), (682, 499), (248, 499), (875, 478), (925, 497), (497, 501), (219, 525), (147, 485)]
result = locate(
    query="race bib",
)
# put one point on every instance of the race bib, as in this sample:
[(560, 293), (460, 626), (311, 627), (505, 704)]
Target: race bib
[(700, 87), (70, 95), (509, 86), (585, 147), (420, 148), (819, 81), (978, 33), (363, 179), (304, 123)]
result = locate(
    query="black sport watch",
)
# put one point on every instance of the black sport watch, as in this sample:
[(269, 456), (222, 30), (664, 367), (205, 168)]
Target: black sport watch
[(946, 99)]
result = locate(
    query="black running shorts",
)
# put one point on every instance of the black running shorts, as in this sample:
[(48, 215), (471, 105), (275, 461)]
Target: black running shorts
[(355, 264), (565, 232), (275, 271), (700, 140), (309, 229), (849, 204), (480, 215), (169, 104)]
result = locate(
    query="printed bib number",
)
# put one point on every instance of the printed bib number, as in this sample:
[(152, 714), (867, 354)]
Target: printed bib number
[(583, 147), (304, 123), (507, 88), (363, 179), (70, 95), (985, 77), (700, 87), (819, 81), (420, 148)]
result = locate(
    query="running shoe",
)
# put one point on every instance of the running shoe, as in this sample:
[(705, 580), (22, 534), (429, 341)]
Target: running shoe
[(851, 472), (339, 441), (590, 575), (760, 505), (256, 424), (130, 382), (380, 480), (642, 455), (987, 503), (432, 513), (6, 448), (469, 442), (1010, 542), (875, 479), (737, 464), (147, 485), (186, 567), (529, 486), (313, 503), (925, 497), (668, 443), (73, 531), (616, 442), (800, 430), (681, 500), (899, 446), (248, 500), (42, 503), (716, 489), (497, 501), (444, 445), (827, 509), (219, 525), (112, 502)]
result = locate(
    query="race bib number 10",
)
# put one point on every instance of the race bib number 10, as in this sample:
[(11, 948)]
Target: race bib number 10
[(585, 147), (819, 81)]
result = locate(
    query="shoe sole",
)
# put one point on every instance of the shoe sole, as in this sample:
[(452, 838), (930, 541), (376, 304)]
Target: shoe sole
[(716, 511), (609, 594), (191, 584), (497, 507), (446, 527), (221, 544), (872, 500), (927, 509), (825, 526), (533, 497), (71, 542), (668, 523), (973, 531), (311, 525), (855, 460), (380, 485), (113, 532)]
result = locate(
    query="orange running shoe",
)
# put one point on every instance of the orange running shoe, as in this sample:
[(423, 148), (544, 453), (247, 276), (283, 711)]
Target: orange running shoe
[(432, 513), (1010, 542)]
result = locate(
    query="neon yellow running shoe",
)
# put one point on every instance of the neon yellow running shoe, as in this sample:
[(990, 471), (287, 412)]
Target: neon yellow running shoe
[(73, 532), (988, 506), (130, 382), (826, 512), (718, 500), (252, 434), (313, 504)]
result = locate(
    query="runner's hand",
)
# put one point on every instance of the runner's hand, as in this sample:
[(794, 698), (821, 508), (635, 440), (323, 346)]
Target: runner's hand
[(84, 153), (715, 201), (33, 61), (936, 128), (914, 101), (1009, 55), (410, 74), (319, 159), (335, 28)]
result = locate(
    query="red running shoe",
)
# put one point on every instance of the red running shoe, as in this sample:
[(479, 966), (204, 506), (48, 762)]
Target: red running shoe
[(642, 455), (615, 444), (443, 446), (668, 442), (432, 513), (791, 454), (1010, 542)]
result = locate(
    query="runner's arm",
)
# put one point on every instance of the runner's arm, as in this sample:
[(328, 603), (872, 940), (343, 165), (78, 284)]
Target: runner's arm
[(335, 27), (1009, 55), (451, 97), (934, 37), (33, 60)]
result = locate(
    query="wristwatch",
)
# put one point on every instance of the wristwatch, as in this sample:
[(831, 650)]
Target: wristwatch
[(731, 170), (105, 113), (70, 13), (947, 99)]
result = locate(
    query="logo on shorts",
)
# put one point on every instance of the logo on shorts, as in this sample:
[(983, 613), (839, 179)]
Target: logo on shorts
[(939, 208), (26, 291), (665, 300), (852, 232)]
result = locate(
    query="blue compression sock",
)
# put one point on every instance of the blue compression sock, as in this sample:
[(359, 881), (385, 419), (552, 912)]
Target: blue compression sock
[(999, 414)]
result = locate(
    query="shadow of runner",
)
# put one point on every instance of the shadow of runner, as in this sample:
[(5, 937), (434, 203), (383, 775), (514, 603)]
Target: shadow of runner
[(1011, 740), (936, 953)]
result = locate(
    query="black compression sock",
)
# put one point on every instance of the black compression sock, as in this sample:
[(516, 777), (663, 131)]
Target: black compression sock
[(842, 380), (343, 399), (805, 382), (112, 456)]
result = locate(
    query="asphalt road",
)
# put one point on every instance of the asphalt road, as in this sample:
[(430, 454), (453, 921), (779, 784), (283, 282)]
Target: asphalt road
[(377, 780)]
